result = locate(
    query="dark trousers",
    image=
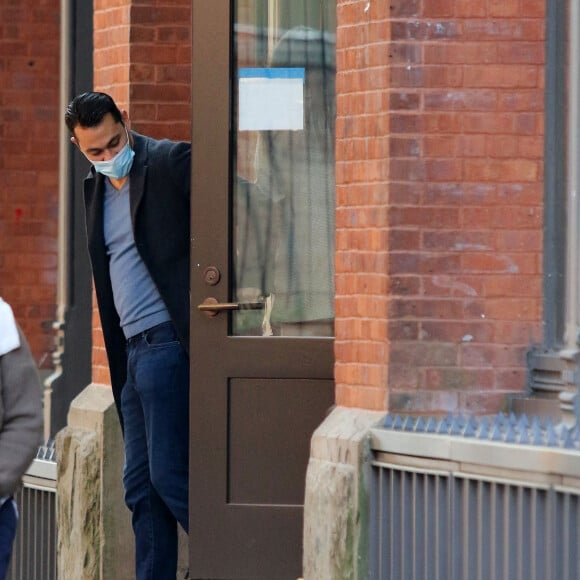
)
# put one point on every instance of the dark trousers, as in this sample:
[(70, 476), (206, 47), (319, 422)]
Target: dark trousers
[(155, 407), (8, 522)]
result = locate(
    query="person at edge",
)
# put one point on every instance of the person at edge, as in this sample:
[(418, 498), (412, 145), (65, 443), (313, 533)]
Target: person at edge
[(137, 200), (20, 423)]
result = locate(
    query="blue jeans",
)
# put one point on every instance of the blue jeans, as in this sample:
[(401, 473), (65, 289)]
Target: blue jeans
[(8, 522), (155, 407)]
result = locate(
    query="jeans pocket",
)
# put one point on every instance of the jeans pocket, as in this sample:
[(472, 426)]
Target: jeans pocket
[(161, 336)]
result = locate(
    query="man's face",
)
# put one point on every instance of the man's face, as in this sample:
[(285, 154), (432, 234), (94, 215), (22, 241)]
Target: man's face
[(102, 142)]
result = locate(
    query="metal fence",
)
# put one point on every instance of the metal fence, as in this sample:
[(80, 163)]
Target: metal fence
[(34, 555), (447, 507)]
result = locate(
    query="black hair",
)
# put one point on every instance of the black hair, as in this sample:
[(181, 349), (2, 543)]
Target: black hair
[(89, 110)]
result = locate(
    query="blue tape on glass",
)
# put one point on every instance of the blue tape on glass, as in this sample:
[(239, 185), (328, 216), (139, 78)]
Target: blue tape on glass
[(272, 73)]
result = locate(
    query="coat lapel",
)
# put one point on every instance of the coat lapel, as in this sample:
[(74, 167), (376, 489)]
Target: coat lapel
[(138, 174), (93, 190)]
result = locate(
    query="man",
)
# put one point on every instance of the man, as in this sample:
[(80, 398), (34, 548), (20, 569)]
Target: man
[(137, 199), (20, 423)]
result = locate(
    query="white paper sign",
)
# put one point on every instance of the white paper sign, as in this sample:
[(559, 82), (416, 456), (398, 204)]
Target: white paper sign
[(271, 99)]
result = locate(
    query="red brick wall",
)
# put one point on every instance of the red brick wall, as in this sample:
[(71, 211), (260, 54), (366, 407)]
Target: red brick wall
[(29, 127), (142, 58), (439, 185)]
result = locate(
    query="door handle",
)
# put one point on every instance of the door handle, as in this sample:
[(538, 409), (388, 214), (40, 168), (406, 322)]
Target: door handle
[(212, 307)]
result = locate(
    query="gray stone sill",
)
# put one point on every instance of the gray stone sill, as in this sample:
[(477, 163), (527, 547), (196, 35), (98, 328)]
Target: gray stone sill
[(549, 465)]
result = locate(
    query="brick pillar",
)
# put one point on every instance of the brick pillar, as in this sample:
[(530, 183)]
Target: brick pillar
[(440, 192), (363, 206)]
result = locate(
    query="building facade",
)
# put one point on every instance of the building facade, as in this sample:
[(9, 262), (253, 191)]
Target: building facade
[(455, 243)]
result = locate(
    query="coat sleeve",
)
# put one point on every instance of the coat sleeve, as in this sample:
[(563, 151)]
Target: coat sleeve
[(179, 166), (21, 427)]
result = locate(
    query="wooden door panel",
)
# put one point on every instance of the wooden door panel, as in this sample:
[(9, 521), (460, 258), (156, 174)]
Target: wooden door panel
[(270, 426)]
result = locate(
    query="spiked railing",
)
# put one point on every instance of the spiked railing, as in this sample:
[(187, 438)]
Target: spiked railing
[(489, 498), (539, 431)]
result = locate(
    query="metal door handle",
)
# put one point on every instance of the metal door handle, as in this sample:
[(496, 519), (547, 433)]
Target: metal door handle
[(212, 307)]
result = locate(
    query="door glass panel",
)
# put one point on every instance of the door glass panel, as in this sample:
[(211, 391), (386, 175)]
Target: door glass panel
[(283, 163)]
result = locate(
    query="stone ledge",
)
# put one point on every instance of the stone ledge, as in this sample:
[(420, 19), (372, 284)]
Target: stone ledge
[(337, 497), (95, 539)]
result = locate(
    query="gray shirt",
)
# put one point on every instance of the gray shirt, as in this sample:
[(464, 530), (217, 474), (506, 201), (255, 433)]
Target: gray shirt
[(137, 299)]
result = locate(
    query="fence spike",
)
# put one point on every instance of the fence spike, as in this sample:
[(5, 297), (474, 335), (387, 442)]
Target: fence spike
[(443, 427), (523, 422), (483, 431), (568, 442), (470, 428), (510, 435), (524, 437), (500, 419), (496, 433), (552, 436), (473, 422), (537, 434), (456, 427)]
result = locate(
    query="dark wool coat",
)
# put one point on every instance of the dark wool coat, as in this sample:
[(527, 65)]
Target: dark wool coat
[(160, 216)]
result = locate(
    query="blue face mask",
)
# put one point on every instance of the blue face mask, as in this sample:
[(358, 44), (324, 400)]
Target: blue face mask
[(120, 165)]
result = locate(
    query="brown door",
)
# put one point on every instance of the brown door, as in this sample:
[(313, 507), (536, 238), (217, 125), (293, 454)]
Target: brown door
[(262, 273)]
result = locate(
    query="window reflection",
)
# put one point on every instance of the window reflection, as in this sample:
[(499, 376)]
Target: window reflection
[(285, 203)]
